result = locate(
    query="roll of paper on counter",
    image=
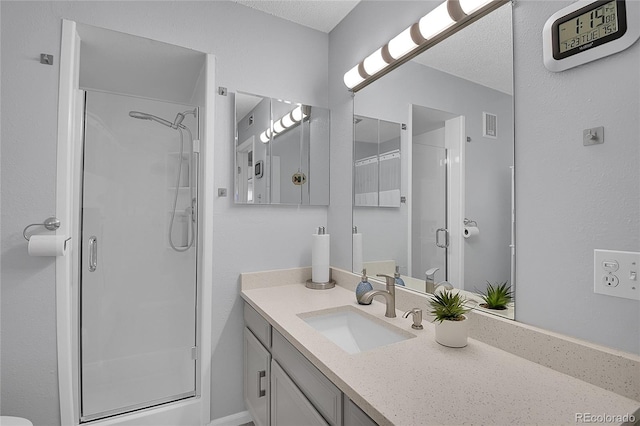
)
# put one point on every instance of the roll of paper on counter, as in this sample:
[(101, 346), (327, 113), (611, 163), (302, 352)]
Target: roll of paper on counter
[(320, 277)]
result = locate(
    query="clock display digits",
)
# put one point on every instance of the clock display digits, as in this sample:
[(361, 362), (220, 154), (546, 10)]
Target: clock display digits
[(588, 27)]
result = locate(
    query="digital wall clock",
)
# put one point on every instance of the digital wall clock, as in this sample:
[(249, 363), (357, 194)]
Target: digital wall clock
[(588, 30)]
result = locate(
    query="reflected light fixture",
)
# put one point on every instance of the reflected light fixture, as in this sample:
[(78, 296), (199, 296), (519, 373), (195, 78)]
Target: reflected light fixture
[(287, 121), (442, 22)]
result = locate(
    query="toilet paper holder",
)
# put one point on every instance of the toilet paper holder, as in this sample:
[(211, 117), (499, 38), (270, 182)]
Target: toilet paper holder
[(469, 222), (51, 223)]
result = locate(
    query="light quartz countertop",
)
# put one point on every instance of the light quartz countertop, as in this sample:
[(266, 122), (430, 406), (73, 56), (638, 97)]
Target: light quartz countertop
[(419, 382)]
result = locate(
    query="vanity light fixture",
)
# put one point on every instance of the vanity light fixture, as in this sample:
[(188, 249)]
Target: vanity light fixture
[(286, 122), (442, 22)]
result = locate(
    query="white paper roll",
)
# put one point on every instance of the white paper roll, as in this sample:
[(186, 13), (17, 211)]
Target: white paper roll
[(320, 258), (47, 245), (357, 253), (471, 231)]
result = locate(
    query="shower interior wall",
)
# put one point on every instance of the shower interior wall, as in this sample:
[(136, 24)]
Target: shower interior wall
[(246, 238)]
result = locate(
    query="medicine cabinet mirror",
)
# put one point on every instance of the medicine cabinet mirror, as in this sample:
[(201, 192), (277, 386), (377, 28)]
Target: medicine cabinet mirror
[(281, 152), (377, 170), (456, 161)]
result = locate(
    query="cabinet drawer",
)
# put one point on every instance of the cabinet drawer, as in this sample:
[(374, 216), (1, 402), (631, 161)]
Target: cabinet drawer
[(323, 394), (289, 407), (258, 325)]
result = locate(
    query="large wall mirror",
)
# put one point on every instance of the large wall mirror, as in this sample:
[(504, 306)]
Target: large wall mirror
[(281, 152), (454, 215)]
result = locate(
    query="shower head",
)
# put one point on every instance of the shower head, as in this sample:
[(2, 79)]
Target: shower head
[(178, 121), (145, 116)]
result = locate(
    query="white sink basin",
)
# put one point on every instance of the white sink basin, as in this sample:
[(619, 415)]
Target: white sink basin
[(353, 330)]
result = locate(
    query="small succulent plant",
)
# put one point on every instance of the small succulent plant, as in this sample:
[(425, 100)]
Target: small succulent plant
[(447, 305), (497, 296)]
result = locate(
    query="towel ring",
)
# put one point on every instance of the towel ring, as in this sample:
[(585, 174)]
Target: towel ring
[(51, 223)]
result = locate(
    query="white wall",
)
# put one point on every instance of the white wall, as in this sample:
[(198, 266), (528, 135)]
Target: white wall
[(246, 238), (570, 199)]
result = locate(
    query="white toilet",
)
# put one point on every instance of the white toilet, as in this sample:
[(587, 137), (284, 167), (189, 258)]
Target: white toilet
[(14, 421)]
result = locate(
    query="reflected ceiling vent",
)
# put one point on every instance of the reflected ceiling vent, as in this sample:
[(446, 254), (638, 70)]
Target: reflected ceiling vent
[(489, 125)]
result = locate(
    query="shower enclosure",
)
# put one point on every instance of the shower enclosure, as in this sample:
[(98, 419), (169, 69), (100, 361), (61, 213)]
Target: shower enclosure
[(138, 262)]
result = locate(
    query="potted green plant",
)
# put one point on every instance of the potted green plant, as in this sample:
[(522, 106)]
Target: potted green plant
[(452, 325), (496, 296)]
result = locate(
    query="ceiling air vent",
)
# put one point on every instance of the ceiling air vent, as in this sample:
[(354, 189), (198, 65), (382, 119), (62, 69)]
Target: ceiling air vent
[(489, 125)]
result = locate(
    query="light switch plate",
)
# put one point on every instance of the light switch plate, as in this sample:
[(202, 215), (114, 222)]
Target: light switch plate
[(617, 273)]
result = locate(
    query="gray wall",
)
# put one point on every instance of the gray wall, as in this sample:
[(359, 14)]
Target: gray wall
[(240, 38), (570, 199)]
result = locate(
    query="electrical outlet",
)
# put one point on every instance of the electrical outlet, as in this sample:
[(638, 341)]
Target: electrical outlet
[(615, 273), (610, 280)]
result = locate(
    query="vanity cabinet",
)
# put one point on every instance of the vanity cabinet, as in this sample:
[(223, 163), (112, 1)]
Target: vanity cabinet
[(282, 387), (289, 407), (354, 416), (257, 371)]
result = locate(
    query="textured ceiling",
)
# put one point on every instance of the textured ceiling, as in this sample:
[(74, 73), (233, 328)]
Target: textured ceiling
[(481, 52), (321, 15)]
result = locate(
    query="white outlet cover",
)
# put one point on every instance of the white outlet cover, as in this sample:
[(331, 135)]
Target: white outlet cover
[(627, 275)]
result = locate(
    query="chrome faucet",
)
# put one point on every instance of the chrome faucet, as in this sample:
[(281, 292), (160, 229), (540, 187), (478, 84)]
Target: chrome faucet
[(389, 294), (430, 282)]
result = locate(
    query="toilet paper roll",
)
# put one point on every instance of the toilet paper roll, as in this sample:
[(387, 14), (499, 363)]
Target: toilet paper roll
[(470, 231), (320, 258), (357, 253), (47, 245)]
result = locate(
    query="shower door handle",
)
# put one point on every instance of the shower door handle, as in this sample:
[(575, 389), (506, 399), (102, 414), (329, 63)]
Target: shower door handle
[(446, 238), (93, 253)]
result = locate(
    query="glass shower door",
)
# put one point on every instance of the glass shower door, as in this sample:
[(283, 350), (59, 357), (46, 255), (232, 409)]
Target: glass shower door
[(429, 211), (137, 292)]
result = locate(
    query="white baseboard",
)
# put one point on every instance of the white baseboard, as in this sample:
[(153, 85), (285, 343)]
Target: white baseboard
[(233, 420)]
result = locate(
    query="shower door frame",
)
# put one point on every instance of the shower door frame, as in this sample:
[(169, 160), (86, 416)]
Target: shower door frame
[(68, 204)]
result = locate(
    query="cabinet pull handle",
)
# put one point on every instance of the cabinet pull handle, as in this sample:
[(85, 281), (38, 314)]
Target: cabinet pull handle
[(261, 392), (93, 254)]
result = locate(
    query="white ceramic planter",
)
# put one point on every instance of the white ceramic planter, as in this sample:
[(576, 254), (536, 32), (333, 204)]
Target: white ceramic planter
[(452, 333)]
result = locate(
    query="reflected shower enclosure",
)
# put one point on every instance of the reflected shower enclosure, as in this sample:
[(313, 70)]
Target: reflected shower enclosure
[(139, 254)]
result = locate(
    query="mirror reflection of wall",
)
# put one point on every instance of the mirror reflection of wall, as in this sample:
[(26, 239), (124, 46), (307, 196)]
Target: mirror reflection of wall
[(279, 147), (457, 160)]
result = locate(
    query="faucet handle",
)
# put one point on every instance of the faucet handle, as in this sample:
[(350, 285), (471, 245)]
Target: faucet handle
[(391, 281), (417, 318)]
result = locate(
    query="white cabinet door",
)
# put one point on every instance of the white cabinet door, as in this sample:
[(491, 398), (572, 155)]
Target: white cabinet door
[(257, 371), (289, 407)]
